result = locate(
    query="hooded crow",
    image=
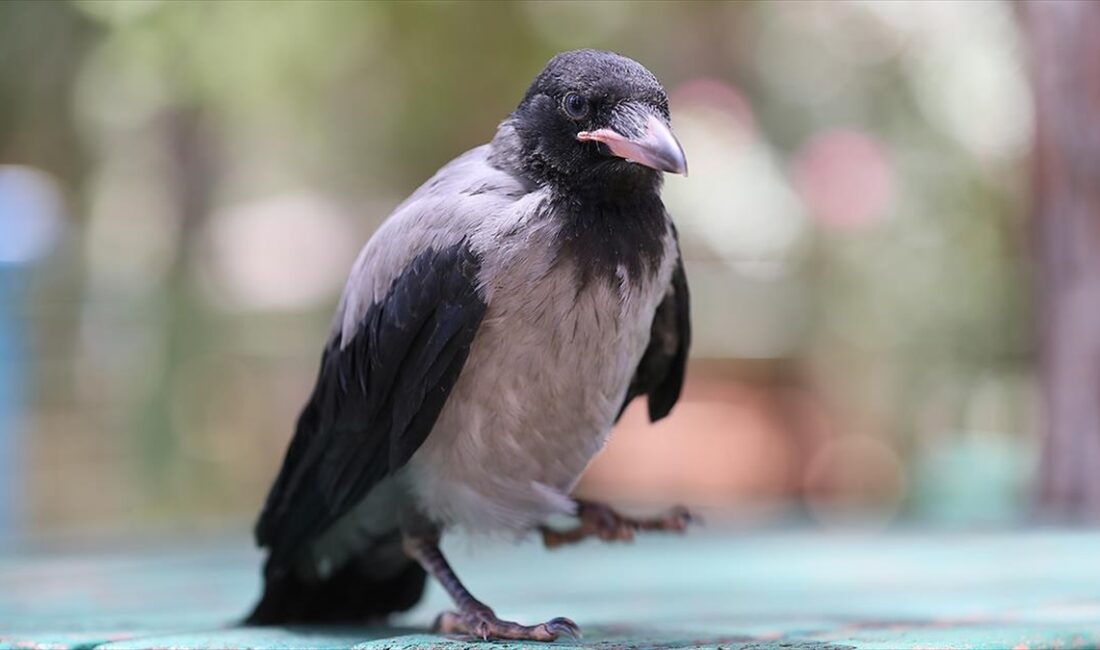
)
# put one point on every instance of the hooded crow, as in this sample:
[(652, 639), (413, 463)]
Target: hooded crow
[(490, 335)]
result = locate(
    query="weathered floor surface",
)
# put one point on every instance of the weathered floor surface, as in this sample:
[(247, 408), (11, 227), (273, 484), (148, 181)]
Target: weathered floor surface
[(707, 590)]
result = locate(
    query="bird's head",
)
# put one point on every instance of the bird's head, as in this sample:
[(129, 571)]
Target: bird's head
[(593, 118)]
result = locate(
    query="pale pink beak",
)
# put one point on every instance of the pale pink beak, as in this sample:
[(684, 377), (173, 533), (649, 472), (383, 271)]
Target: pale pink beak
[(657, 148)]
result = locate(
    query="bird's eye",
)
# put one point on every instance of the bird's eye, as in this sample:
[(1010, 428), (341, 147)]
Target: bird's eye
[(575, 106)]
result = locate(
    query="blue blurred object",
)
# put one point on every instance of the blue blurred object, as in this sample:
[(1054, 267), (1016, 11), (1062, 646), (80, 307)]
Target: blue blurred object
[(30, 221)]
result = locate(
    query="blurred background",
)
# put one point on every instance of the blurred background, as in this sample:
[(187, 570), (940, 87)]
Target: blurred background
[(891, 227)]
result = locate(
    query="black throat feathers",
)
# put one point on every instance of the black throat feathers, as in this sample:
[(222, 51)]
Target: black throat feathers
[(601, 234)]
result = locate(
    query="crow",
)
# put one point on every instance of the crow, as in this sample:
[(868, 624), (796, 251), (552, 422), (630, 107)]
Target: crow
[(491, 333)]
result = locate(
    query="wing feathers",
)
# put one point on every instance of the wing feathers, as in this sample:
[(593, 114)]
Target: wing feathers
[(671, 337), (660, 374), (376, 399)]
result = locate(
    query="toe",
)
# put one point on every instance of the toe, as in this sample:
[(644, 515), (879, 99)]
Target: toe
[(685, 517), (449, 623), (608, 534), (676, 519), (562, 626)]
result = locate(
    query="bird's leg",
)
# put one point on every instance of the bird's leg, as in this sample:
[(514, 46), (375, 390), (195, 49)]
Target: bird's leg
[(600, 520), (473, 616)]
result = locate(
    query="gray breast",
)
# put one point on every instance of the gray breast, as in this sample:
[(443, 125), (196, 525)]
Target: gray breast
[(547, 373)]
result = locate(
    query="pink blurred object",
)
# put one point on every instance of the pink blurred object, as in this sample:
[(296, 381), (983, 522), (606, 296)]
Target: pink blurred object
[(717, 94), (845, 178)]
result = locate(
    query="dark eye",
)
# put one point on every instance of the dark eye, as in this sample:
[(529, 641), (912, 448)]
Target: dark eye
[(575, 106)]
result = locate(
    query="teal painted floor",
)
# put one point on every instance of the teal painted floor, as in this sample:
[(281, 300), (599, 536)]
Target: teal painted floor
[(706, 590)]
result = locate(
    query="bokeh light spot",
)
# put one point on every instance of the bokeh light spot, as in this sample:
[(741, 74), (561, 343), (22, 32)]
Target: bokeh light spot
[(855, 479), (30, 214), (282, 252), (845, 178)]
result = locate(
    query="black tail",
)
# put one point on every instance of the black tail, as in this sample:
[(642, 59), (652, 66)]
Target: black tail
[(347, 596)]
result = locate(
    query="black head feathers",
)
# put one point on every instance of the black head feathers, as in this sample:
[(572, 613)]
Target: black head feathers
[(595, 121), (603, 77)]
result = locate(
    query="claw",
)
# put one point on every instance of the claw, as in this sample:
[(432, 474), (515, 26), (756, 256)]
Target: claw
[(676, 519), (562, 626)]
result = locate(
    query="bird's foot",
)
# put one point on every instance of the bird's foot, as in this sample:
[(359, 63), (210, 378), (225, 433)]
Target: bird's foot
[(484, 624), (600, 520)]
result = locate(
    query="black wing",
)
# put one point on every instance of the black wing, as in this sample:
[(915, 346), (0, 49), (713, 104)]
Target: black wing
[(376, 399), (660, 374)]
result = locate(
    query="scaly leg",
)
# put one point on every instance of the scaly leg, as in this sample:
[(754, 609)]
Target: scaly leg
[(473, 616), (599, 520)]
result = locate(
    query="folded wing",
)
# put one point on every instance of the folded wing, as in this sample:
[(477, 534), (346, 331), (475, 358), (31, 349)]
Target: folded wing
[(377, 396), (660, 374)]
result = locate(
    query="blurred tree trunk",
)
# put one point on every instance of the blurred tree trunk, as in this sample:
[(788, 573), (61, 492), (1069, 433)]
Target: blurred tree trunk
[(1065, 58), (192, 178)]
